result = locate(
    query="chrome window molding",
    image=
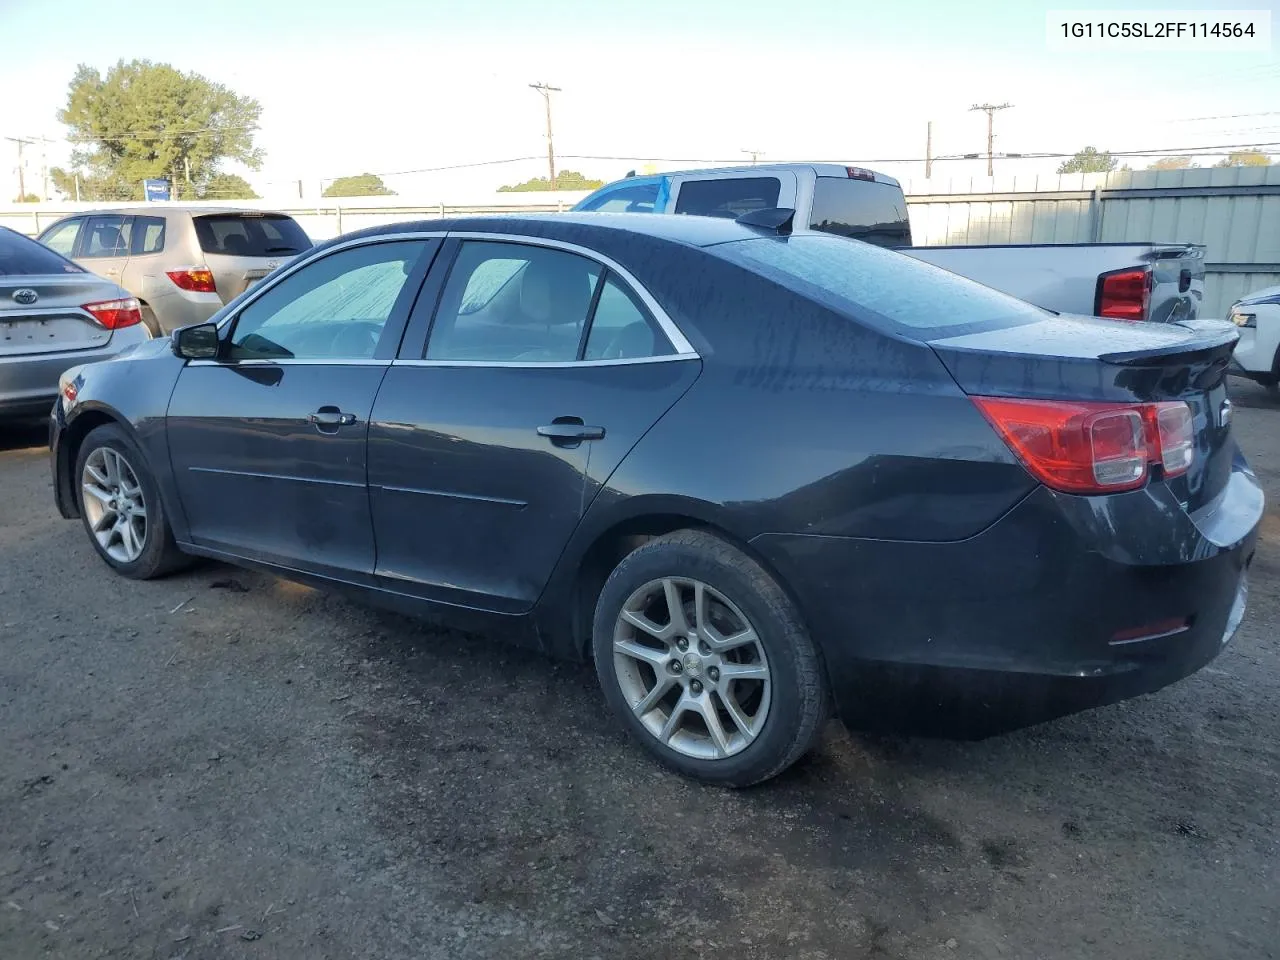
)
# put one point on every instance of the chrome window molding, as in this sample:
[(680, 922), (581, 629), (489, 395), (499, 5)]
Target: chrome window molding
[(545, 364), (682, 346), (292, 362)]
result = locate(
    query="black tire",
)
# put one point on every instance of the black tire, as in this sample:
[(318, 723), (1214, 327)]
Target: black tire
[(799, 705), (150, 322), (160, 554)]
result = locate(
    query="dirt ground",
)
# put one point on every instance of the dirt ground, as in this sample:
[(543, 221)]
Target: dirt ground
[(224, 765)]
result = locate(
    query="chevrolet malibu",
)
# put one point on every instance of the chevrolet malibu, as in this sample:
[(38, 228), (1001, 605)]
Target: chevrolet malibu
[(754, 475)]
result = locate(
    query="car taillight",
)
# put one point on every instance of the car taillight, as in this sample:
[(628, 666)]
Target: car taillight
[(860, 173), (114, 314), (195, 279), (1082, 447), (1124, 294)]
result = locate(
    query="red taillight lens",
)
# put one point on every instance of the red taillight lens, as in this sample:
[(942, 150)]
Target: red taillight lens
[(860, 173), (196, 279), (114, 314), (1082, 447), (1125, 294)]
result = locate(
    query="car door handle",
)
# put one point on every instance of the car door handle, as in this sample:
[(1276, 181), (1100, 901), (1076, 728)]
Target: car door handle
[(331, 417), (570, 432)]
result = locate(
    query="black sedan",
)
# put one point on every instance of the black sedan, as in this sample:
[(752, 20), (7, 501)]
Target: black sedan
[(752, 474)]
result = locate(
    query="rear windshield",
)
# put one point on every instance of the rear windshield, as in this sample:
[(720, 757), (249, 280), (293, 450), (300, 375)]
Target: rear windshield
[(728, 196), (250, 235), (886, 290), (872, 212), (22, 256)]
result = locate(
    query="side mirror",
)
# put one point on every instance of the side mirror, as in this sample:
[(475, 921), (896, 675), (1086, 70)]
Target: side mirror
[(196, 343)]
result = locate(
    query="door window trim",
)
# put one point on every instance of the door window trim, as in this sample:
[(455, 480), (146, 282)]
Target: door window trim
[(680, 344)]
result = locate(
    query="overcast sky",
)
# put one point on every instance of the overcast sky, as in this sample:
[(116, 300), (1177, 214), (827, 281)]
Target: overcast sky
[(394, 85)]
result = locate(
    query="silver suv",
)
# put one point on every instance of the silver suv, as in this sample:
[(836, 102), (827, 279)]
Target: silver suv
[(182, 263)]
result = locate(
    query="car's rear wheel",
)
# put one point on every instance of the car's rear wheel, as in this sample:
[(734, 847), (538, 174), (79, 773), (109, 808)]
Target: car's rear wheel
[(120, 506), (150, 322), (704, 658)]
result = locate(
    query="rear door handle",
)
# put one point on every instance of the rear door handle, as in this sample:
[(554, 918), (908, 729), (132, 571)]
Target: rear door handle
[(570, 432)]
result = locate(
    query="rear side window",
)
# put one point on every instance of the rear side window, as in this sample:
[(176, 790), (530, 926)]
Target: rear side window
[(636, 199), (147, 235), (728, 197), (106, 237), (886, 290), (22, 256), (250, 235), (872, 212)]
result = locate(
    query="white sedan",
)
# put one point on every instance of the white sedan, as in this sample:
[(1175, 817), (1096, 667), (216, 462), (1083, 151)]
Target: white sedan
[(1257, 355)]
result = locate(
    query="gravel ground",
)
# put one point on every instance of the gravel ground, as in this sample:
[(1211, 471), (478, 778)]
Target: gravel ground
[(225, 765)]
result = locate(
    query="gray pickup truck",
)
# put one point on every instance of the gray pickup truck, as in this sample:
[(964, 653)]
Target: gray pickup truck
[(1163, 282)]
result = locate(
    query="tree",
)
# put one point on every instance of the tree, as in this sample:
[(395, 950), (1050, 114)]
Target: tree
[(148, 120), (1245, 158), (364, 185), (1174, 163), (565, 180), (26, 198), (1089, 160), (228, 186)]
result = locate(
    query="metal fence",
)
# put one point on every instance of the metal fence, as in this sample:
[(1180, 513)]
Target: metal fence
[(1234, 212)]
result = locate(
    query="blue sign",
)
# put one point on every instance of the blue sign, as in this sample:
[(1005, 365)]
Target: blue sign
[(156, 189)]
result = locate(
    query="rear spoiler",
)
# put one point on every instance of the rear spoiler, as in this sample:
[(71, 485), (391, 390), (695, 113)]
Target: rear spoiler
[(1214, 340), (774, 219)]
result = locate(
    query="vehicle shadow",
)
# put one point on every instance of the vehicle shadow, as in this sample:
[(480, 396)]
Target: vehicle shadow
[(23, 434)]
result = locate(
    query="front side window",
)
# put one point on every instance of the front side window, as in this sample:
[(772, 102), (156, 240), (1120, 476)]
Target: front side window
[(334, 308), (728, 196), (106, 237), (62, 236)]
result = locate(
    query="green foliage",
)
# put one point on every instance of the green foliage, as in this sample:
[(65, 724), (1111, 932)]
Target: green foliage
[(1174, 163), (363, 185), (1089, 160), (565, 180), (228, 186), (1245, 158), (27, 198), (147, 120)]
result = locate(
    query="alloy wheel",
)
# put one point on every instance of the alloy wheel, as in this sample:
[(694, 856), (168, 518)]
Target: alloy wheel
[(114, 505), (692, 668)]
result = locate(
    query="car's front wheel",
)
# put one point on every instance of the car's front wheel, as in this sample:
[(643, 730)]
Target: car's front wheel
[(121, 507), (703, 657)]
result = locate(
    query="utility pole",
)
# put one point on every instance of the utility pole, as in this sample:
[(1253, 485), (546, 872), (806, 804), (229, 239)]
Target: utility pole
[(546, 92), (928, 151), (22, 174), (754, 154), (990, 110)]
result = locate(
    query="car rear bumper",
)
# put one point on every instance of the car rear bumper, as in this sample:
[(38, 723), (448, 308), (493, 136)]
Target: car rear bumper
[(1026, 621), (29, 383)]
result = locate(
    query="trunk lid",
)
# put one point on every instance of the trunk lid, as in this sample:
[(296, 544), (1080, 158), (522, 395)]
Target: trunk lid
[(52, 322), (1084, 358), (241, 248)]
